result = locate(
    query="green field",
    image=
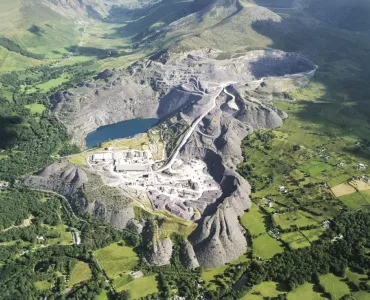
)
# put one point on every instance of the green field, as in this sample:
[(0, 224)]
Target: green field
[(103, 295), (36, 108), (298, 218), (142, 287), (43, 285), (305, 292), (209, 274), (334, 286), (10, 61), (355, 200), (116, 259), (313, 234), (120, 282), (47, 86), (253, 221), (81, 272), (366, 195), (295, 240), (267, 289), (362, 295), (354, 277), (65, 236), (266, 247)]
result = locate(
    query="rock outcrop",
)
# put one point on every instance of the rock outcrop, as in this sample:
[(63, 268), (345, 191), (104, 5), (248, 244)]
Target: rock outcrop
[(79, 187), (187, 256), (219, 239), (160, 88), (161, 252)]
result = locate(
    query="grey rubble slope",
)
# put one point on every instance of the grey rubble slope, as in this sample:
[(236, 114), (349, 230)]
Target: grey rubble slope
[(81, 188), (158, 88)]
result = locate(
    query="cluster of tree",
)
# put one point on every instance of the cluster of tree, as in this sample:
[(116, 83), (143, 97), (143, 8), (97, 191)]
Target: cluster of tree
[(28, 234), (69, 149), (30, 141), (98, 235), (343, 246), (40, 74), (17, 204), (18, 277), (13, 47)]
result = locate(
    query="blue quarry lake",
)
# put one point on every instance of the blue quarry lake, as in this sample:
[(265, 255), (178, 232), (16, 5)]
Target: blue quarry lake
[(119, 130)]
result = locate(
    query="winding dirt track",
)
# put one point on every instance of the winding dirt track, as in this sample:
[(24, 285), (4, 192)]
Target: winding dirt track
[(191, 129)]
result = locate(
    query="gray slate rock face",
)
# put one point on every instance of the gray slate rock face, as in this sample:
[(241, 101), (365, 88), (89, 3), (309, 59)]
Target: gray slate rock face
[(135, 226), (261, 116), (120, 218), (70, 181), (161, 252), (219, 239), (188, 257), (105, 74)]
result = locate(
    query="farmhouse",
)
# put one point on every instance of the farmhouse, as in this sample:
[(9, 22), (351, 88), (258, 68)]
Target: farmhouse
[(361, 166)]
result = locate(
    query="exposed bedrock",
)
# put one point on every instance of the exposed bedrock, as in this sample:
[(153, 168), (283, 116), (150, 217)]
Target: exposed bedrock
[(219, 228), (77, 186), (188, 256), (174, 101), (260, 116), (158, 89), (161, 252), (118, 217), (219, 239), (158, 251)]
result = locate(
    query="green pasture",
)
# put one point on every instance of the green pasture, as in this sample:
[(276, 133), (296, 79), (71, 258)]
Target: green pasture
[(81, 272), (266, 247), (142, 287), (313, 234), (36, 108), (355, 200), (65, 237), (362, 295), (116, 259), (43, 285), (253, 220), (334, 285), (120, 282), (305, 291), (355, 278), (297, 218), (266, 289), (295, 240)]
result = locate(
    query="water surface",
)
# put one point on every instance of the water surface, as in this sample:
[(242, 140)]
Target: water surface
[(119, 130)]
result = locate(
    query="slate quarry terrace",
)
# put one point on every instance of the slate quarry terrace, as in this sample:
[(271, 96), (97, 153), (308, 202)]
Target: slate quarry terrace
[(184, 189)]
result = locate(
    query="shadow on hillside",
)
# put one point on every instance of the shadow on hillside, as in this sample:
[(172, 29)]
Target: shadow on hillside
[(35, 30), (142, 22), (9, 132), (95, 52), (344, 70)]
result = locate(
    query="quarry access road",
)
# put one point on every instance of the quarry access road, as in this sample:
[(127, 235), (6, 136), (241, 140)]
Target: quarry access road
[(192, 128), (232, 104)]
